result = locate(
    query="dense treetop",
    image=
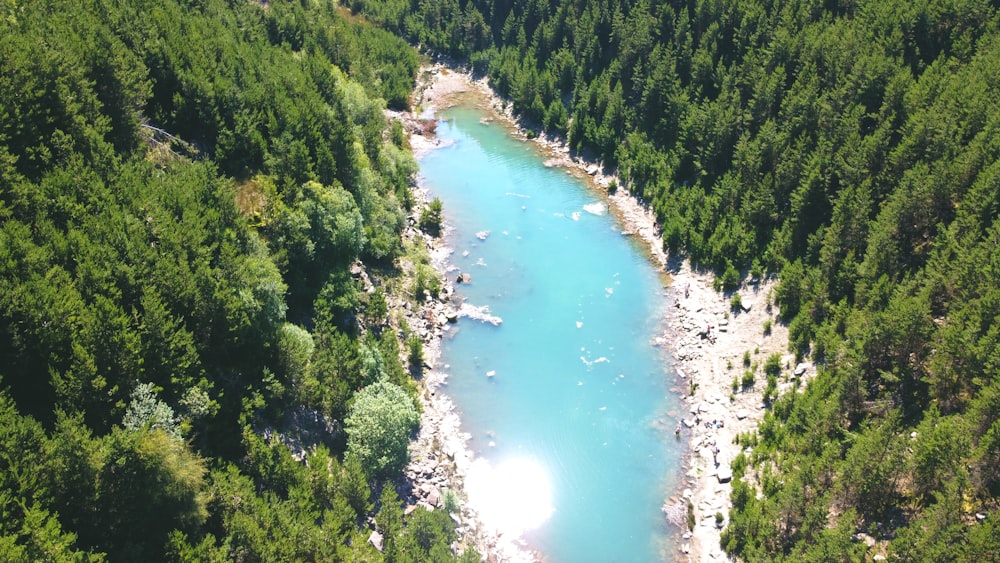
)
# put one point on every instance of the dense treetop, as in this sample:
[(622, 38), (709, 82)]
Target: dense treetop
[(853, 149), (183, 186)]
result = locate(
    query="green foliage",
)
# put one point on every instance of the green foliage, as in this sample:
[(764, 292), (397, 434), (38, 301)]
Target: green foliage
[(772, 366), (378, 426), (149, 484), (426, 281), (415, 353), (146, 412), (430, 218), (182, 188), (771, 391), (295, 349)]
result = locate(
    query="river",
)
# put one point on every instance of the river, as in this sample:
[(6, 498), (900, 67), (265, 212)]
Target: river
[(567, 400)]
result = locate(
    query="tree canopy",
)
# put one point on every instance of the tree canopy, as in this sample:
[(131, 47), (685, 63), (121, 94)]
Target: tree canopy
[(183, 188)]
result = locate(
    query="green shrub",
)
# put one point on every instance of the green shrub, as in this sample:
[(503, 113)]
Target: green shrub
[(431, 218), (771, 391), (415, 353), (773, 364), (731, 277)]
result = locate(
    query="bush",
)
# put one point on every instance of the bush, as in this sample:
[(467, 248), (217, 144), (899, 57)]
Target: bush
[(771, 391), (426, 282), (773, 364), (767, 327), (736, 303), (730, 277), (431, 218), (748, 380), (746, 359), (415, 353), (450, 501)]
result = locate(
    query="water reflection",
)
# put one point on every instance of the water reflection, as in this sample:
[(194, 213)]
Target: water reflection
[(513, 497)]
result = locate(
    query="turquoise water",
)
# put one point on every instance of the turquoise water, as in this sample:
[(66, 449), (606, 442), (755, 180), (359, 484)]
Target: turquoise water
[(569, 384)]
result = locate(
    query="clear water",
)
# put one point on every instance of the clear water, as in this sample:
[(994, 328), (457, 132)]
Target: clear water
[(569, 385)]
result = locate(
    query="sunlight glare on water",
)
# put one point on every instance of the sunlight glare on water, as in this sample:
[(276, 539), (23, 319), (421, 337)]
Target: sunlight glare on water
[(513, 497)]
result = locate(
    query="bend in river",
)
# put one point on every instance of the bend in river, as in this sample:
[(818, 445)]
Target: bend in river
[(567, 401)]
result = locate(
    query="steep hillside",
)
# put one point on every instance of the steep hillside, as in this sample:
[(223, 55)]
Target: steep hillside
[(187, 189)]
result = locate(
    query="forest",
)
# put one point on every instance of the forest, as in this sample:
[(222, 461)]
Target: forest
[(851, 148), (185, 189)]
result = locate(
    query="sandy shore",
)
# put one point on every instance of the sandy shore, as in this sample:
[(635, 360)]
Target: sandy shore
[(715, 413)]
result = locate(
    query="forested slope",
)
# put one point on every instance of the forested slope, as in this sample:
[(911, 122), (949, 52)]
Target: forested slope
[(850, 147), (183, 188)]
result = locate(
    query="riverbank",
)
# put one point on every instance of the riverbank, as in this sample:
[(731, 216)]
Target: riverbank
[(705, 367), (440, 458)]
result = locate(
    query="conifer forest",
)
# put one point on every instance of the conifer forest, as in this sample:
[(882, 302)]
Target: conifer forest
[(188, 186)]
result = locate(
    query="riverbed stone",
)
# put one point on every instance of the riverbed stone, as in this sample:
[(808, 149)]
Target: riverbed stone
[(434, 497)]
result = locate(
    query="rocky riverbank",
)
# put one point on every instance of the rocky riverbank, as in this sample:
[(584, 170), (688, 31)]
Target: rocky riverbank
[(439, 457), (716, 413)]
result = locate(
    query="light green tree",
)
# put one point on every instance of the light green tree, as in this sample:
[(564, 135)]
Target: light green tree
[(379, 423)]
